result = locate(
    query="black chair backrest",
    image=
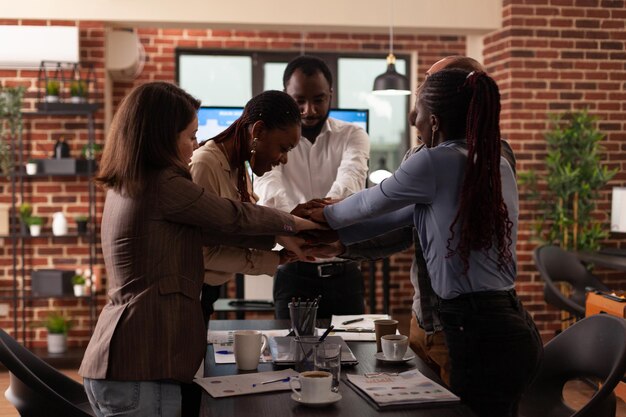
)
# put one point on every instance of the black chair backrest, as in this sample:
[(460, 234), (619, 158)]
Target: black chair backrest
[(595, 348), (54, 392), (557, 265)]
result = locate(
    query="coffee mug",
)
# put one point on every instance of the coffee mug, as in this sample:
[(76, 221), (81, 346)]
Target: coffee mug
[(394, 346), (315, 386), (383, 327), (249, 344)]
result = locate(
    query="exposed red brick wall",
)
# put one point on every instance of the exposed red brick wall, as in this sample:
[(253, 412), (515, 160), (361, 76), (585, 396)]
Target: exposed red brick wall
[(553, 56), (549, 56), (64, 194)]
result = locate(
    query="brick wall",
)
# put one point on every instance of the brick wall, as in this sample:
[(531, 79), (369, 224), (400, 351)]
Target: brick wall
[(58, 194), (549, 56), (552, 56)]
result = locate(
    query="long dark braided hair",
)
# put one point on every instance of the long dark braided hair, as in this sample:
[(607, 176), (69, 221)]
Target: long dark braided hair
[(468, 104), (277, 110)]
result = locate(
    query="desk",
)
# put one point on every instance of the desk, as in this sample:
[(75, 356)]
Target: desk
[(281, 404), (601, 259)]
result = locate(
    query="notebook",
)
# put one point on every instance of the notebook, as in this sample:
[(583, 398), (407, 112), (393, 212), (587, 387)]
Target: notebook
[(281, 349)]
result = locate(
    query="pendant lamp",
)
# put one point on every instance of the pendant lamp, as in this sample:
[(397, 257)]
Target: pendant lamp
[(391, 83)]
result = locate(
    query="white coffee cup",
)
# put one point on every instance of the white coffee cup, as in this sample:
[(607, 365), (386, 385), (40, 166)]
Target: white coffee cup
[(248, 347), (314, 386), (394, 346)]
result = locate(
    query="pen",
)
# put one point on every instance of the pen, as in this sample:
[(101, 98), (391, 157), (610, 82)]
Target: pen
[(224, 352), (272, 381), (352, 321)]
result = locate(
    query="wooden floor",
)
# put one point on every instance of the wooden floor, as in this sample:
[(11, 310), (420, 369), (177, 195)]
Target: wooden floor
[(576, 394)]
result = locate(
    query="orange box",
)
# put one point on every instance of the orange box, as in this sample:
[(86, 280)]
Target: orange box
[(599, 303)]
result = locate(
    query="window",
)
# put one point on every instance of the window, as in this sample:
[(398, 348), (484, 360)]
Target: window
[(231, 78)]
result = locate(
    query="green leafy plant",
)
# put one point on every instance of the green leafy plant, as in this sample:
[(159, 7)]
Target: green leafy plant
[(57, 323), (10, 124), (78, 88), (81, 218), (53, 87), (566, 195), (78, 280), (34, 221), (26, 211), (91, 151)]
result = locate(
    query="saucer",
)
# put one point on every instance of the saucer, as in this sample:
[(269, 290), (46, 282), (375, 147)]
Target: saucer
[(333, 398), (381, 357)]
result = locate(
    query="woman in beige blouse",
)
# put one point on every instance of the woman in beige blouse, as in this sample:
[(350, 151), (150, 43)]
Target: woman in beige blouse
[(261, 138)]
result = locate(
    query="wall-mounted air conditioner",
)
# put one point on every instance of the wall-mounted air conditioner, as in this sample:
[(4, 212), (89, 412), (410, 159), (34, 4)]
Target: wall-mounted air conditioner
[(124, 54), (27, 46)]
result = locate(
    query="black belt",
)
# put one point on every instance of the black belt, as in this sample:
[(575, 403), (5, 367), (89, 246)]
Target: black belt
[(320, 270), (483, 299)]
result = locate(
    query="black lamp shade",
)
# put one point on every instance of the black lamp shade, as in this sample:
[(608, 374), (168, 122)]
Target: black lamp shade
[(391, 83)]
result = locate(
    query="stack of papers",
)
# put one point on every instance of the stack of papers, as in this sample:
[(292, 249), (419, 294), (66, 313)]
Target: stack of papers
[(361, 330), (253, 383), (407, 388)]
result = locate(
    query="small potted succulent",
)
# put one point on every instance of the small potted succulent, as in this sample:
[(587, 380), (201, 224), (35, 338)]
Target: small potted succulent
[(58, 326), (81, 224), (31, 167), (81, 282), (53, 88), (78, 91), (34, 225)]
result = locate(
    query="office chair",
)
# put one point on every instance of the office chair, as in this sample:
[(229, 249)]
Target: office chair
[(36, 388), (592, 348), (557, 265)]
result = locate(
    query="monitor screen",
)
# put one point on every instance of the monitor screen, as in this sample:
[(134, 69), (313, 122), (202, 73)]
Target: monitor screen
[(213, 120), (359, 117)]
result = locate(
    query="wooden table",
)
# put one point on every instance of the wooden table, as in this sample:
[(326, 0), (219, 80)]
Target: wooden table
[(280, 403)]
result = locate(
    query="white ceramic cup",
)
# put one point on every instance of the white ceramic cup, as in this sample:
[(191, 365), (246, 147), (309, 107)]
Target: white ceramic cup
[(248, 347), (314, 386), (394, 346)]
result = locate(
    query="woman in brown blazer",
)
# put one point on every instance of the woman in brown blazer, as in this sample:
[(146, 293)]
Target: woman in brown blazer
[(150, 336)]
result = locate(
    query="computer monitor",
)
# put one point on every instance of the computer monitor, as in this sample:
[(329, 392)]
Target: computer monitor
[(213, 120), (359, 117)]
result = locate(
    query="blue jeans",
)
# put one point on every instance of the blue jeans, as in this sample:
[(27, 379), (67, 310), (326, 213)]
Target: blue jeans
[(133, 398), (495, 350)]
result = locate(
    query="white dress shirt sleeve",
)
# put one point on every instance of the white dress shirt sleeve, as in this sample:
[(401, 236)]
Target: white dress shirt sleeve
[(272, 192), (352, 171)]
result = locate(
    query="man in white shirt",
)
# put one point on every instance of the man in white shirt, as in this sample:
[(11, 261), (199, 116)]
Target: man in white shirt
[(329, 162)]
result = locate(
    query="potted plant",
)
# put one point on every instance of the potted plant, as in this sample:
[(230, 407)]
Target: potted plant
[(34, 225), (91, 151), (31, 167), (78, 91), (58, 326), (53, 87), (79, 281), (81, 223), (568, 191), (26, 210)]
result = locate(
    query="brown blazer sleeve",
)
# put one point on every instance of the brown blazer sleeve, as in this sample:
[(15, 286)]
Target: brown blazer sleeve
[(182, 201)]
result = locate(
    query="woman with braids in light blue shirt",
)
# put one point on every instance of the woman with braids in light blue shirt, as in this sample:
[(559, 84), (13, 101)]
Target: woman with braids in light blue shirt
[(462, 198)]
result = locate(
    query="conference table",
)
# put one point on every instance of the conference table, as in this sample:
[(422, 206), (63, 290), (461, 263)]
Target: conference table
[(279, 403)]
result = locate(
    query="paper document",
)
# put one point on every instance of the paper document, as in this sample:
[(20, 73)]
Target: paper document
[(361, 330), (231, 385), (406, 388), (226, 336)]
